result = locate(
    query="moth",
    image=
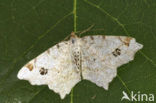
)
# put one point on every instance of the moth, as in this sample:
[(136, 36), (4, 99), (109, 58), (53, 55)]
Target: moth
[(94, 58)]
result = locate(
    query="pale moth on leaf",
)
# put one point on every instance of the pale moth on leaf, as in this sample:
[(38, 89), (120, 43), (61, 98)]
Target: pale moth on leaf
[(94, 58)]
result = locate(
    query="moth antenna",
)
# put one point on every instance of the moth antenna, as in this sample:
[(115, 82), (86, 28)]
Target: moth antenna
[(86, 30)]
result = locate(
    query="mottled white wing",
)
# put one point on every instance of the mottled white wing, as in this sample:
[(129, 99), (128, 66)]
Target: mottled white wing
[(54, 68), (101, 55)]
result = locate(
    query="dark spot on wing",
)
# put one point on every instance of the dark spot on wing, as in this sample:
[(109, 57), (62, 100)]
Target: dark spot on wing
[(84, 39), (48, 51), (29, 66), (103, 37), (127, 41), (73, 41), (58, 46), (91, 37), (43, 71), (94, 59), (116, 52)]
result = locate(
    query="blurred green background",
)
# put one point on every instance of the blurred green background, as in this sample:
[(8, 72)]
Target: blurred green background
[(29, 27)]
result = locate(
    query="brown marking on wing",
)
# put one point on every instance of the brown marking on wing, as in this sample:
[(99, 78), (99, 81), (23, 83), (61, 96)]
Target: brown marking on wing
[(84, 39), (103, 37), (48, 51), (58, 46), (91, 37), (127, 40), (29, 66)]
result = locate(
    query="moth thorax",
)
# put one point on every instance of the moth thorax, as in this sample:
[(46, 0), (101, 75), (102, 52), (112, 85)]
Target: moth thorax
[(76, 54), (77, 58)]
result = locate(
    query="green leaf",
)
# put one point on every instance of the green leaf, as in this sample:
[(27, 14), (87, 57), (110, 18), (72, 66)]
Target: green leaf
[(29, 27)]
